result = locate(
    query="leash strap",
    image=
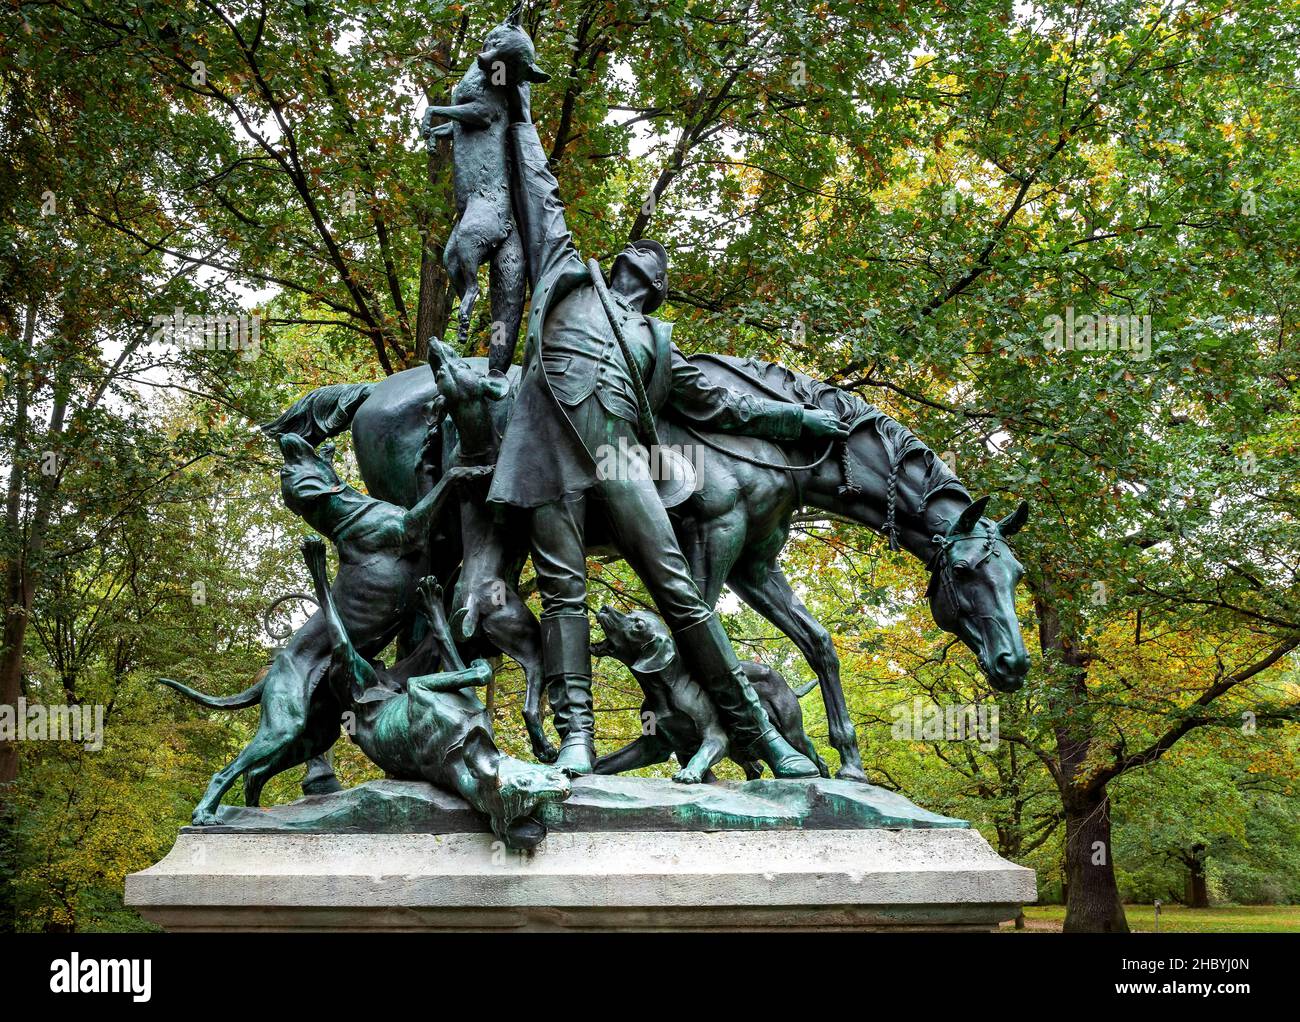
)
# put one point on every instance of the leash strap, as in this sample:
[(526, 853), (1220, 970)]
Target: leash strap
[(648, 431), (783, 466)]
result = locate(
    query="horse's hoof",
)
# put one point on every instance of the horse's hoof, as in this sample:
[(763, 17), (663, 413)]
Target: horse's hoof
[(852, 773)]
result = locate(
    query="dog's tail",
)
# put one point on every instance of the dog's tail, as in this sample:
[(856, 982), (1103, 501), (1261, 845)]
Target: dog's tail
[(251, 696), (804, 689), (325, 412)]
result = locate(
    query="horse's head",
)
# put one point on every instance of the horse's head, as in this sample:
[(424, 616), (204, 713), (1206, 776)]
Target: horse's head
[(972, 592)]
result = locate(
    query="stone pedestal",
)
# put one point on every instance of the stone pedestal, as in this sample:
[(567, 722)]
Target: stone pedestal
[(623, 854)]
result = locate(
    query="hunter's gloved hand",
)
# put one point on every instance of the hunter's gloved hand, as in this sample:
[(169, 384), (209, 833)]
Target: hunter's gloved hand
[(817, 422)]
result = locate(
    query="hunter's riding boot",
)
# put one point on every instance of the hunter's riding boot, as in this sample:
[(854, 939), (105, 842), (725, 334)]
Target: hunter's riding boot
[(711, 660), (566, 665), (559, 706)]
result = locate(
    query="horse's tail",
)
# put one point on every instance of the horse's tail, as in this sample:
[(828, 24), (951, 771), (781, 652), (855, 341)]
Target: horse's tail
[(325, 412), (803, 690), (251, 696)]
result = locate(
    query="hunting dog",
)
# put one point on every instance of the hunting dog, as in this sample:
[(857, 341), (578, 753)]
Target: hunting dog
[(685, 721), (467, 397), (418, 724), (382, 553), (485, 605), (478, 119)]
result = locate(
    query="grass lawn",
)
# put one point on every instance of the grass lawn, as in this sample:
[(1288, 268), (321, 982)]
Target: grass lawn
[(1176, 919)]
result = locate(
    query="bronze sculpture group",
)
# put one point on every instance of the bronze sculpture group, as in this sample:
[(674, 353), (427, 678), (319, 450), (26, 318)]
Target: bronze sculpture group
[(475, 466)]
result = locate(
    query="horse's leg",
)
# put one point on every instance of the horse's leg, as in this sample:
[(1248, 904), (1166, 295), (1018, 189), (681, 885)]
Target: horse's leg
[(765, 588), (711, 548)]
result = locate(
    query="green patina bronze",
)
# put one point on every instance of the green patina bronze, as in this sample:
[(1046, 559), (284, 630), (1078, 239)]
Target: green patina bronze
[(474, 466), (600, 803)]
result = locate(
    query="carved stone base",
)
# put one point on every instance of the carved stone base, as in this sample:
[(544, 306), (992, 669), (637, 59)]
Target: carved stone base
[(943, 878), (598, 803)]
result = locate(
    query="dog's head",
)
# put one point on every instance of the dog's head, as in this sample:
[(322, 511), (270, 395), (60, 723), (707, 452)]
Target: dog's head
[(308, 475), (507, 50), (511, 791), (459, 382), (640, 640)]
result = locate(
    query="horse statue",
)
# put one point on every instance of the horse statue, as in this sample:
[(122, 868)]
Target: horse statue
[(735, 524)]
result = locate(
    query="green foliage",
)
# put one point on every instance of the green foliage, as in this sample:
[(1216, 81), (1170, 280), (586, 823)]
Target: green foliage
[(897, 197)]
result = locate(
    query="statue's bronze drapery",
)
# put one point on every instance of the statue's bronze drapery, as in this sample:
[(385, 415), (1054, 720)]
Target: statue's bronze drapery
[(605, 435)]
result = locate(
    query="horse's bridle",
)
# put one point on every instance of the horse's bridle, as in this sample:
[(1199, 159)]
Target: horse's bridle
[(941, 570)]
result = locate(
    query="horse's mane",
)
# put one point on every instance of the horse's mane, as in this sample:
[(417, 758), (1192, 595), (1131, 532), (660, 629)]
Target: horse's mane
[(770, 379)]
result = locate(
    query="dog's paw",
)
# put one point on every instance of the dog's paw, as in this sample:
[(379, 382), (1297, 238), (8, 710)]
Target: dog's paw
[(204, 818), (429, 589), (543, 750), (462, 474), (688, 776)]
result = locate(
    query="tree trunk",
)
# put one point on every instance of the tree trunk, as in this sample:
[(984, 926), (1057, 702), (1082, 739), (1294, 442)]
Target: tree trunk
[(18, 605), (1094, 905), (17, 593), (433, 307), (17, 596), (1198, 891), (1092, 896)]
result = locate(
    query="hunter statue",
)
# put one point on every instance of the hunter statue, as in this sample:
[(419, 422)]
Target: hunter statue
[(607, 436)]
